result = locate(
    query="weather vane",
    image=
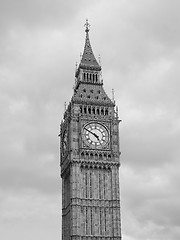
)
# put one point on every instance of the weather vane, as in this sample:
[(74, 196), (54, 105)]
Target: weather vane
[(87, 25)]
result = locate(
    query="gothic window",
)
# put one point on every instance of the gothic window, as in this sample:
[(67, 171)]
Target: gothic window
[(90, 180), (104, 180), (97, 111), (102, 111), (100, 221), (89, 110), (100, 184), (106, 111), (93, 110), (85, 110), (86, 221), (80, 109), (105, 219), (92, 222), (84, 76), (86, 184)]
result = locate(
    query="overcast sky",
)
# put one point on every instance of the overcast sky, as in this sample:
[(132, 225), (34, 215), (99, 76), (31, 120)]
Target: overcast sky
[(139, 44)]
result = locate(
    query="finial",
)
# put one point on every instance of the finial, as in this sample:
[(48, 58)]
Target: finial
[(87, 25), (99, 58)]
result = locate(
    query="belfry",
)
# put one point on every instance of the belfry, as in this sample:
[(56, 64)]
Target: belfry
[(89, 157)]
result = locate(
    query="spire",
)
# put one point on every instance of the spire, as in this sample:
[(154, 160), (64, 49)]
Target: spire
[(88, 60)]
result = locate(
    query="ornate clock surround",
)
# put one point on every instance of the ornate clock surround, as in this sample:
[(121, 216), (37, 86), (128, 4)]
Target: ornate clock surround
[(95, 135)]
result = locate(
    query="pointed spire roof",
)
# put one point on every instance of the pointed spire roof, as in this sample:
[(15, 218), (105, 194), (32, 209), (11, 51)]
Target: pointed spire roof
[(88, 60)]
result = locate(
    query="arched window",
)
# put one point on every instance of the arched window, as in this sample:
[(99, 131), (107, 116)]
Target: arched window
[(89, 110), (85, 110)]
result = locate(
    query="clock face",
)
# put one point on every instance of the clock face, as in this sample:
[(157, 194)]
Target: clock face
[(95, 135)]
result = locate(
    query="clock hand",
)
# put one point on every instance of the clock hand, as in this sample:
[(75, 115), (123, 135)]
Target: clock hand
[(92, 133)]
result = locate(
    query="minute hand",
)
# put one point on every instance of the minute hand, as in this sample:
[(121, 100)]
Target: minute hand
[(92, 133)]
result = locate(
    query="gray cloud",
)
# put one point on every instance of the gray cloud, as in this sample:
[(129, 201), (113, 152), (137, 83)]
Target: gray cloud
[(139, 44)]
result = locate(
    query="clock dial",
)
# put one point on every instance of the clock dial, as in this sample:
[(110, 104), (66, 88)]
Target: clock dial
[(95, 135)]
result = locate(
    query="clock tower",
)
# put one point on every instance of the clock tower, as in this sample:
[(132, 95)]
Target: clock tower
[(89, 157)]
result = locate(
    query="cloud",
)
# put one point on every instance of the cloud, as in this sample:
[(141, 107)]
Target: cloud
[(139, 46), (39, 14)]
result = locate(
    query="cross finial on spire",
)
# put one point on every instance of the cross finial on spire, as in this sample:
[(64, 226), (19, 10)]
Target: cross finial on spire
[(87, 25)]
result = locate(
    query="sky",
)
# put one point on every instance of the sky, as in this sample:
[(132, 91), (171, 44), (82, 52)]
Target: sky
[(139, 45)]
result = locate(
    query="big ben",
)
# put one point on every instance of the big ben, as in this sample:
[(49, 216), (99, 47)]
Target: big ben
[(89, 157)]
